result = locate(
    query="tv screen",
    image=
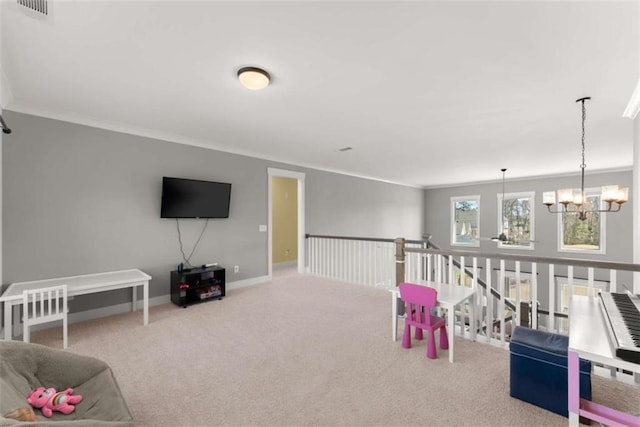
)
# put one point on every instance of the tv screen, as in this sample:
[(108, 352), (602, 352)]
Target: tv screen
[(190, 198)]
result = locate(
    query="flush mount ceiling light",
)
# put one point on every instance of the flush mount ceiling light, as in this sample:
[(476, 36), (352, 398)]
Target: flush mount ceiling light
[(574, 201), (253, 78)]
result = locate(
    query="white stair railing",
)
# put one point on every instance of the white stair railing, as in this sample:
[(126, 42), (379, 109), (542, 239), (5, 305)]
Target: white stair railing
[(354, 260), (508, 285)]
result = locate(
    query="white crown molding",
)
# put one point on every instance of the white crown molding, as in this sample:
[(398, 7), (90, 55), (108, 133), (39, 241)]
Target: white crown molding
[(533, 177), (181, 139), (634, 104)]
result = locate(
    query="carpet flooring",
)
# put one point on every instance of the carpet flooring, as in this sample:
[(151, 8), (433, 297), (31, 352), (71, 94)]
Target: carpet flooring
[(303, 351)]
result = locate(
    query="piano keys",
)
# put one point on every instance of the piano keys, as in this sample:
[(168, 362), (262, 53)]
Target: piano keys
[(622, 311)]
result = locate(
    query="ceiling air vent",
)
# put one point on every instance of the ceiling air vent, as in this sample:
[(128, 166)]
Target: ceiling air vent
[(39, 6)]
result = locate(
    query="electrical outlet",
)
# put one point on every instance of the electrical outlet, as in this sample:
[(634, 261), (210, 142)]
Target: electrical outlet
[(286, 252), (236, 269)]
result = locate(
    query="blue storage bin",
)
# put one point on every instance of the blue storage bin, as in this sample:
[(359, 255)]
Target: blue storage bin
[(538, 374)]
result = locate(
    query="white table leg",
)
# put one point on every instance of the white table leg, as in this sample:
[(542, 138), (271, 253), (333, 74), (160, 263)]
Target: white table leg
[(145, 303), (8, 308), (451, 329), (17, 321), (394, 316)]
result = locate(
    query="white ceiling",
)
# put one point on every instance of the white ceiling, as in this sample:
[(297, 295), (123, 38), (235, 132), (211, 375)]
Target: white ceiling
[(426, 93)]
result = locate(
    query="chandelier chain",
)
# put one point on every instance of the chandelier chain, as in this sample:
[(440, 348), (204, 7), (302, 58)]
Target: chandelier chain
[(584, 117)]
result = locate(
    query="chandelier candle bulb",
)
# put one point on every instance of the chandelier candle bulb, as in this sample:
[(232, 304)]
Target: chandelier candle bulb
[(565, 196), (578, 198), (549, 198), (610, 193), (623, 195)]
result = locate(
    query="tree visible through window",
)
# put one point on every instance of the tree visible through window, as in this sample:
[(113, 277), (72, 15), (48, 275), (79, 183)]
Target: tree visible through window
[(588, 235), (515, 219)]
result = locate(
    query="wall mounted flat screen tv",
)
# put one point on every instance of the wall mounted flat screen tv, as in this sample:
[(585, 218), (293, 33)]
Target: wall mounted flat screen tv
[(190, 198)]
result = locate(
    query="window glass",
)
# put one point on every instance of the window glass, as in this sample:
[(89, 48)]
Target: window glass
[(516, 219), (465, 221), (576, 235)]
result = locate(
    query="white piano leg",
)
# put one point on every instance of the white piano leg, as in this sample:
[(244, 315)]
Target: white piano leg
[(573, 389)]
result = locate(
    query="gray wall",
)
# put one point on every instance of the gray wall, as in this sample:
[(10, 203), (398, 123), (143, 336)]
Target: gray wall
[(619, 244), (364, 208), (81, 200)]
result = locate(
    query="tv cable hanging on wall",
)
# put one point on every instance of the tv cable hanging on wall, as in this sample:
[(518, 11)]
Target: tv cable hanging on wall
[(184, 257)]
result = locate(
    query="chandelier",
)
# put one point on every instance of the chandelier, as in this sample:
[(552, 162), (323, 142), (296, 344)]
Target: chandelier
[(574, 201)]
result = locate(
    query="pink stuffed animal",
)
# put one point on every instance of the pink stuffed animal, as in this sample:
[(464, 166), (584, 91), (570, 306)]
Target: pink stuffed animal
[(50, 400)]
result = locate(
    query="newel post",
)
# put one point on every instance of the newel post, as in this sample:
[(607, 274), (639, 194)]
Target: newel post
[(400, 267)]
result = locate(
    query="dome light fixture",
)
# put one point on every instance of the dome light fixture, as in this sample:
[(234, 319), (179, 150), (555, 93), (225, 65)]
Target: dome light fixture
[(254, 78)]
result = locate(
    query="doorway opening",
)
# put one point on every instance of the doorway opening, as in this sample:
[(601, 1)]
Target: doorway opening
[(286, 241)]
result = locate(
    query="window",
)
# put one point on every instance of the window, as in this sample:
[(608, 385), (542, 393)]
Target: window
[(575, 235), (580, 287), (465, 221), (516, 219)]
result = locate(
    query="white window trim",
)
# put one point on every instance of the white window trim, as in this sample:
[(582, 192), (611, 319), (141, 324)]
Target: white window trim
[(525, 194), (452, 219), (603, 230)]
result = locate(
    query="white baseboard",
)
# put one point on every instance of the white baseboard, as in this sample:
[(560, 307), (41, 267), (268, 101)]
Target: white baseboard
[(111, 310), (247, 282), (285, 264)]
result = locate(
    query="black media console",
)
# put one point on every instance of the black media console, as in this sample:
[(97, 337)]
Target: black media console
[(197, 285)]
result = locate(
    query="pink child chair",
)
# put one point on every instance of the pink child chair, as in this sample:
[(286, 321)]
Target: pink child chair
[(419, 300)]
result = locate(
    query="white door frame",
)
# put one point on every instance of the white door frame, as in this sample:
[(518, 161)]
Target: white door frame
[(299, 176)]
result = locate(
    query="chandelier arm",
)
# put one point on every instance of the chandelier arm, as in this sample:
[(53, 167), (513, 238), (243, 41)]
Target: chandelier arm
[(610, 208), (560, 211), (563, 210)]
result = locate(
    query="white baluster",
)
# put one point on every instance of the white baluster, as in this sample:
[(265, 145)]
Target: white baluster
[(518, 310), (501, 310), (552, 299), (489, 302), (613, 283), (534, 295)]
